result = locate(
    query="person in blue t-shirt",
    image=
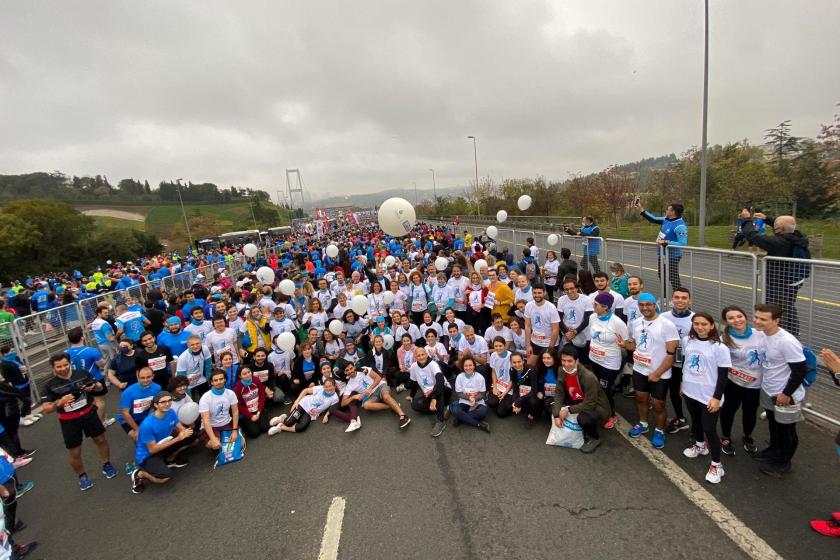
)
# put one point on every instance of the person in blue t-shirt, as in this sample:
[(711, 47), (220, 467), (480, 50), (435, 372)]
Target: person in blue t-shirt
[(90, 360), (130, 321), (136, 400), (174, 337), (591, 247), (672, 233), (41, 298), (161, 437)]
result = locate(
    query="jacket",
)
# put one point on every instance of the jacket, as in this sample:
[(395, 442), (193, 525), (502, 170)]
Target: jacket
[(594, 397), (778, 245)]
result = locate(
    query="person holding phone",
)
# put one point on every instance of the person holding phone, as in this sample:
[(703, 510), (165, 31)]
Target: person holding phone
[(674, 233)]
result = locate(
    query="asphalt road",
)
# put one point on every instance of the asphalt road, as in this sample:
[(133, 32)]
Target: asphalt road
[(465, 495)]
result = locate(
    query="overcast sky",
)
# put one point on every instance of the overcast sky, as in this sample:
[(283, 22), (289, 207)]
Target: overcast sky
[(365, 95)]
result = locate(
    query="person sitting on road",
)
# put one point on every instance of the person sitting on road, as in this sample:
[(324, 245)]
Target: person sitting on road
[(370, 390), (427, 376), (161, 437), (528, 391), (311, 402), (251, 396), (219, 411), (500, 397), (471, 390), (582, 395)]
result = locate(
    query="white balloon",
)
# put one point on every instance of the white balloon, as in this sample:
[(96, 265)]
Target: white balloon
[(286, 341), (287, 287), (388, 298), (265, 274), (390, 261), (336, 327), (250, 250), (441, 263), (332, 251), (524, 202), (188, 413), (397, 217), (108, 262), (492, 231), (553, 239), (501, 216), (359, 305), (387, 341), (479, 264)]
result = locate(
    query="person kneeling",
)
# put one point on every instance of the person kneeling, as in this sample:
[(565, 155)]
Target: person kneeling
[(160, 438), (582, 395), (311, 402), (470, 388)]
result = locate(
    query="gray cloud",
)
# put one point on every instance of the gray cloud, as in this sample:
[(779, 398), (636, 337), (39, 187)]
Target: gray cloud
[(368, 95)]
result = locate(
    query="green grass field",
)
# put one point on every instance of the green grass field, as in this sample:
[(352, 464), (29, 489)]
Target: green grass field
[(119, 223), (234, 215)]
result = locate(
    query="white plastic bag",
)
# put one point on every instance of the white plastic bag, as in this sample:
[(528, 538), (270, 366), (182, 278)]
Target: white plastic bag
[(570, 435)]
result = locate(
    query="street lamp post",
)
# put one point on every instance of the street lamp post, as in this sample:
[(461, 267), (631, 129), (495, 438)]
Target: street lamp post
[(434, 184), (184, 212), (704, 161), (415, 193), (477, 192)]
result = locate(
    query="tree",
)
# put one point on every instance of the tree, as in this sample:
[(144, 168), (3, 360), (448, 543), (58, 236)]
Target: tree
[(613, 191)]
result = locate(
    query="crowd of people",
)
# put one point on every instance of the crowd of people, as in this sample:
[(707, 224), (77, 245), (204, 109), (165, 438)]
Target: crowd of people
[(433, 323)]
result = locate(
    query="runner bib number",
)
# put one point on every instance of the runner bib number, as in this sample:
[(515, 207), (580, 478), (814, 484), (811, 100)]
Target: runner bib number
[(139, 406), (642, 359), (77, 404), (524, 390), (549, 389)]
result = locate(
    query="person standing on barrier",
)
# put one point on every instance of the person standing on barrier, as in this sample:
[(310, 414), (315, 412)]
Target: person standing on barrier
[(591, 247), (782, 392), (672, 233), (681, 315), (783, 279)]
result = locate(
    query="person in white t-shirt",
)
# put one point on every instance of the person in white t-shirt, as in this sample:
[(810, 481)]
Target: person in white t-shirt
[(653, 342), (219, 412), (222, 339), (574, 309), (705, 373), (602, 285), (458, 284), (680, 314), (542, 325), (426, 375), (280, 323), (311, 403), (550, 270), (371, 391), (782, 392), (606, 347), (473, 346), (500, 396), (498, 329), (197, 325), (471, 390), (523, 290)]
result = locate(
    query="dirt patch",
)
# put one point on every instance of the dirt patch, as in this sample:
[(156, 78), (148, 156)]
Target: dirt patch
[(110, 213)]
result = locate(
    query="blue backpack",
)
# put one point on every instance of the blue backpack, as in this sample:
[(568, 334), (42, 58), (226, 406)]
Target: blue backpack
[(811, 364)]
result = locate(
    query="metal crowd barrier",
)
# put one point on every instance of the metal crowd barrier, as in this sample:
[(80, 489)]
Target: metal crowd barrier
[(38, 336), (717, 278)]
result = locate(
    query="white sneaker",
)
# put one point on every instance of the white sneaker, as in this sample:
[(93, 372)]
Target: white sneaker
[(274, 430), (400, 388), (715, 473), (108, 421), (354, 425), (26, 421), (276, 420), (695, 451)]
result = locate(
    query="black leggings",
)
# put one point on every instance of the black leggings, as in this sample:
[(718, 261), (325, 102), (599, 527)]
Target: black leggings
[(549, 290), (504, 407), (298, 418), (11, 424), (607, 379), (253, 429), (735, 396), (704, 426), (532, 405), (674, 390)]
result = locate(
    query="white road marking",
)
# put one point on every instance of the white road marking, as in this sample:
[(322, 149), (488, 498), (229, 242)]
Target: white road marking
[(332, 530), (746, 539)]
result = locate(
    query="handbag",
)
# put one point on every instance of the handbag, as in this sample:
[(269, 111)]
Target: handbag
[(230, 451), (570, 435)]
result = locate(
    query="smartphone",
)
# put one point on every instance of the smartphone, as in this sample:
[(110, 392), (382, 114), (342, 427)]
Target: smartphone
[(637, 200)]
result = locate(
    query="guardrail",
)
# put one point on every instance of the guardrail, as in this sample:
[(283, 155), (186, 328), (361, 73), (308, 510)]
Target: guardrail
[(716, 278)]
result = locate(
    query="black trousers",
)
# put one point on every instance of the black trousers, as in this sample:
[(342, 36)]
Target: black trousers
[(253, 429), (783, 438), (704, 426), (674, 390), (503, 407), (673, 273), (735, 397), (421, 403), (607, 379)]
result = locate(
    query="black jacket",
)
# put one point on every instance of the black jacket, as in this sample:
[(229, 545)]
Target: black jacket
[(778, 245)]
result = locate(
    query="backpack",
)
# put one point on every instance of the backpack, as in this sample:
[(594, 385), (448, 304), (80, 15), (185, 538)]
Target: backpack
[(811, 365), (530, 271), (800, 271)]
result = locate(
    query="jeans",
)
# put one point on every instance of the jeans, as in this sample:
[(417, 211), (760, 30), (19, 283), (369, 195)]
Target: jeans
[(473, 417)]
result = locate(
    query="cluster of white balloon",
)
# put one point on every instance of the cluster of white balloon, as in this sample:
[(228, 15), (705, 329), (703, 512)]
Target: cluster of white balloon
[(523, 203), (265, 274)]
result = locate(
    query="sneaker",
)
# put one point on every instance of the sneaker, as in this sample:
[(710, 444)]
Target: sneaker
[(177, 463), (355, 424), (749, 445), (19, 526), (26, 421), (715, 473), (130, 468), (24, 488), (827, 528), (677, 425), (108, 421), (484, 426), (26, 453), (638, 430), (438, 429), (137, 485), (775, 470), (590, 445), (85, 483), (610, 423), (274, 430), (695, 451), (108, 470), (400, 388), (287, 401), (24, 550), (21, 462), (404, 422), (658, 439), (727, 447), (277, 419)]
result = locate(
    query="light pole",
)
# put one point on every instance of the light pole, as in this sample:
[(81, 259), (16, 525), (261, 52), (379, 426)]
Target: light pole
[(184, 212), (251, 206), (703, 152), (434, 184), (415, 193), (477, 192)]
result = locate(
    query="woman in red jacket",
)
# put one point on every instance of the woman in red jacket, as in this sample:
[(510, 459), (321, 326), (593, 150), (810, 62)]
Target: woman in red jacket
[(251, 395)]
